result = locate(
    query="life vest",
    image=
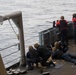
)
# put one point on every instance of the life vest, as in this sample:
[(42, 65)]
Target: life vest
[(74, 21), (63, 25)]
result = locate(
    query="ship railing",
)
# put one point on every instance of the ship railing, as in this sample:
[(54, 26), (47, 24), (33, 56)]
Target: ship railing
[(11, 58)]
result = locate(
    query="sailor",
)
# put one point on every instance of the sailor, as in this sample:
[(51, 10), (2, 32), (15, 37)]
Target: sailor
[(63, 47), (32, 58), (74, 23), (58, 54), (62, 25), (45, 54)]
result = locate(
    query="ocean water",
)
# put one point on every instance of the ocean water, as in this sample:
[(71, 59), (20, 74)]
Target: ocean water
[(37, 15)]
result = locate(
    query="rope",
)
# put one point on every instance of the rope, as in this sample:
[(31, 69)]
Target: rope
[(13, 29)]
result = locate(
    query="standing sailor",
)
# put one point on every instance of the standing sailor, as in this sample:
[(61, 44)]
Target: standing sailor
[(74, 23), (62, 25)]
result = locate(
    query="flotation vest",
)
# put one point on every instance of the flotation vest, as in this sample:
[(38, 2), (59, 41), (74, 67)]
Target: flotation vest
[(63, 24), (74, 21)]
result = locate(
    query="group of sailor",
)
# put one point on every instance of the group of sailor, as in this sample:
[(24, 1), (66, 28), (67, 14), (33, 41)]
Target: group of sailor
[(42, 56), (62, 25)]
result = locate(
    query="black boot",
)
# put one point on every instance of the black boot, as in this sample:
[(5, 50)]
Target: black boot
[(30, 68), (48, 64), (51, 62)]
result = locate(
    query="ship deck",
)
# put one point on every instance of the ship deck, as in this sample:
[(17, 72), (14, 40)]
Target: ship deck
[(62, 67)]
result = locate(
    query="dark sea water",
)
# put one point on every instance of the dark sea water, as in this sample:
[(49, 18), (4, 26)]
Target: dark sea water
[(36, 14)]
